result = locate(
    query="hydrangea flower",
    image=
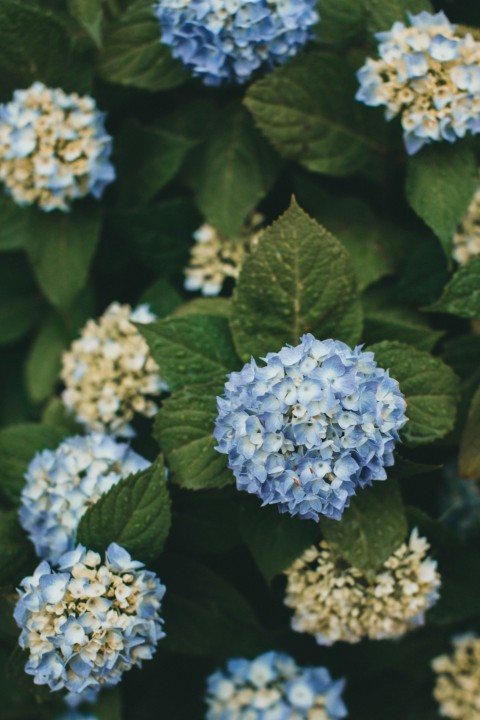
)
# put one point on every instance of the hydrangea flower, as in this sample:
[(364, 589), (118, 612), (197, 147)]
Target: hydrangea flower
[(334, 601), (307, 430), (53, 148), (273, 687), (89, 622), (109, 374), (457, 687), (62, 484), (215, 258), (228, 40), (466, 241), (429, 76)]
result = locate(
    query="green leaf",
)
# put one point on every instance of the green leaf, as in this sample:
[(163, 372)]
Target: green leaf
[(20, 303), (191, 350), (89, 13), (13, 225), (57, 416), (135, 513), (441, 180), (220, 307), (18, 446), (430, 387), (162, 297), (204, 614), (462, 294), (61, 247), (16, 556), (133, 54), (184, 429), (299, 279), (383, 13), (469, 457), (307, 110), (44, 359), (341, 21), (371, 529), (274, 540), (147, 158), (236, 171), (206, 522), (109, 705)]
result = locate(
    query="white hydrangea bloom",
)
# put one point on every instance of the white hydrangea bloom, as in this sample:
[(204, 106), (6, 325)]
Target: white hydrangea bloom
[(335, 601), (109, 374), (215, 258), (457, 687), (466, 241)]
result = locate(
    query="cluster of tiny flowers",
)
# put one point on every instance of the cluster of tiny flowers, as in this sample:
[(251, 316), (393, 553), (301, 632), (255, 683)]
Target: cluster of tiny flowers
[(215, 258), (466, 241), (53, 148), (335, 601), (273, 687), (457, 688), (89, 622), (307, 430), (228, 40), (429, 76), (62, 484), (108, 372)]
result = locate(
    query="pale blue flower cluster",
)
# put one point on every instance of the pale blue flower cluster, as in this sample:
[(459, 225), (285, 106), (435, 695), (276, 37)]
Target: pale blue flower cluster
[(89, 622), (273, 687), (61, 485), (429, 76), (53, 148), (228, 40), (307, 430)]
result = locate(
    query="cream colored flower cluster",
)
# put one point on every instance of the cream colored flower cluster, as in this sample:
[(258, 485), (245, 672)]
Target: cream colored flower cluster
[(109, 374), (334, 601), (458, 683), (215, 258), (466, 241)]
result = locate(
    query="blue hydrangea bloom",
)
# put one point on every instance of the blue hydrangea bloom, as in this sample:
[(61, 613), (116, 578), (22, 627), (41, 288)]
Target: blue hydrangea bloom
[(228, 40), (76, 715), (273, 687), (429, 76), (61, 485), (307, 430), (89, 622), (53, 148)]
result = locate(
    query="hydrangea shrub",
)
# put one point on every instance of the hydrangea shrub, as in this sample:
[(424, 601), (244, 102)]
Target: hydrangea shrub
[(239, 332)]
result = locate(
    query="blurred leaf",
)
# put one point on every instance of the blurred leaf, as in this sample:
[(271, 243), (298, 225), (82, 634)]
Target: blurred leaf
[(16, 557), (462, 294), (61, 247), (18, 446), (340, 21), (147, 158), (274, 540), (109, 705), (205, 615), (191, 350), (220, 307), (307, 110), (371, 529), (469, 458), (205, 522), (386, 321), (89, 13), (299, 279), (135, 513), (184, 429), (462, 353), (424, 275), (13, 225), (440, 183), (20, 303), (57, 416), (162, 297), (44, 359), (383, 13), (236, 171), (430, 387), (133, 54)]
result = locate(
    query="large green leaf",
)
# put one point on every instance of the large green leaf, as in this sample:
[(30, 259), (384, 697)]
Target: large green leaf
[(44, 359), (299, 279), (371, 529), (135, 513), (20, 302), (133, 54), (192, 349), (430, 387), (383, 13), (274, 540), (469, 457), (441, 180), (16, 556), (18, 446), (308, 111), (184, 429), (89, 13), (462, 294), (61, 247), (13, 224), (340, 21), (237, 169)]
